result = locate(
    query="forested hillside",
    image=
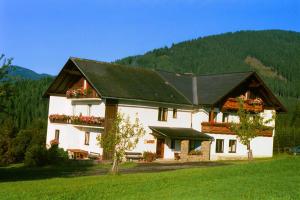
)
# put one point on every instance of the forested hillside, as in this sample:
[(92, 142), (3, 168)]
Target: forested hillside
[(21, 73), (23, 120), (274, 54), (25, 104)]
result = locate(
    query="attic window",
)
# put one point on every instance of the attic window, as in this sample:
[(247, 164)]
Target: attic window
[(174, 113), (84, 84), (162, 114)]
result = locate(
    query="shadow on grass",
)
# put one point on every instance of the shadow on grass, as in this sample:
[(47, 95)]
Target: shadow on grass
[(19, 172), (74, 169)]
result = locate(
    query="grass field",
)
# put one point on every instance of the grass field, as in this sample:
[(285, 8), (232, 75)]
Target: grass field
[(277, 178)]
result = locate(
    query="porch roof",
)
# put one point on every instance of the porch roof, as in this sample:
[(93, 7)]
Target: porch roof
[(178, 133)]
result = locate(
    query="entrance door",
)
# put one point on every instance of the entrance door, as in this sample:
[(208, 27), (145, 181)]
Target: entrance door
[(160, 148)]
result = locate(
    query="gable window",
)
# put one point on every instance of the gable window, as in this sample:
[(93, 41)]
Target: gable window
[(87, 138), (232, 146), (162, 114), (225, 117), (174, 113), (219, 145), (56, 137)]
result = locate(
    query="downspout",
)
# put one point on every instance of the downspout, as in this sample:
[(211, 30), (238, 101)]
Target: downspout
[(195, 95)]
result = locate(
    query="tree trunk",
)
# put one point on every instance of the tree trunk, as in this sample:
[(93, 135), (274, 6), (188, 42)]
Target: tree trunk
[(115, 166), (250, 155)]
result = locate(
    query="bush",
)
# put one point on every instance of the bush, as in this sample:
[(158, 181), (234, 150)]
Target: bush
[(38, 155), (149, 156), (56, 155)]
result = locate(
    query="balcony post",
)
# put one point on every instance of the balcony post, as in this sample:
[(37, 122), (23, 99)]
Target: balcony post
[(212, 113)]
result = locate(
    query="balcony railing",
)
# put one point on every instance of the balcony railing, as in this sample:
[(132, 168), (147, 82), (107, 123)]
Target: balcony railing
[(77, 120), (81, 93), (251, 105), (225, 128)]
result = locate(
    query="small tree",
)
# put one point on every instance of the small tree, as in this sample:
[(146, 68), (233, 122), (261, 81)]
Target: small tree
[(123, 136), (248, 128)]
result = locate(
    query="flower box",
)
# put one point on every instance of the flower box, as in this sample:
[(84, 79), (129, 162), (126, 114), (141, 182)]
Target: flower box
[(78, 120)]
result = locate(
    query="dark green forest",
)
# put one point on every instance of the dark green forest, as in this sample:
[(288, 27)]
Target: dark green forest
[(275, 55)]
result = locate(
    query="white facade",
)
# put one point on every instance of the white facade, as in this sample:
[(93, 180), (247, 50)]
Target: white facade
[(73, 136)]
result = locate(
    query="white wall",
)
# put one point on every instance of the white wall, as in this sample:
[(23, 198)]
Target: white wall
[(148, 116), (62, 105), (201, 115), (261, 147), (71, 137)]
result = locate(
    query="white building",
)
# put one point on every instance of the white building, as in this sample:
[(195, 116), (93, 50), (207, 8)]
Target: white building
[(182, 114)]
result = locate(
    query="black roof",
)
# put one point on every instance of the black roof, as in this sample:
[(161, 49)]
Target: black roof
[(116, 81), (179, 133), (141, 84), (212, 88)]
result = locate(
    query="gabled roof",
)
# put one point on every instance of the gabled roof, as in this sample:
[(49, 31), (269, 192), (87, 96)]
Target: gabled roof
[(179, 133), (141, 84), (211, 88), (122, 82)]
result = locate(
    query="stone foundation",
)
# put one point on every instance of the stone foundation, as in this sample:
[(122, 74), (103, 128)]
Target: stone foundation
[(205, 150)]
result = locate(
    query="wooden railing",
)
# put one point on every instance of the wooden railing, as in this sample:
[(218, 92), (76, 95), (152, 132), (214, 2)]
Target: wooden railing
[(251, 105), (77, 120), (225, 128)]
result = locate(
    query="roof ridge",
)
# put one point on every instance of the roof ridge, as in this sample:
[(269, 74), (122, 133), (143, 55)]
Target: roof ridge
[(115, 64), (225, 73), (175, 73)]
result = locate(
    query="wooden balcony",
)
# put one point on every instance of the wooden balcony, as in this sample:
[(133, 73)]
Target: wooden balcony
[(251, 105), (224, 128), (77, 120)]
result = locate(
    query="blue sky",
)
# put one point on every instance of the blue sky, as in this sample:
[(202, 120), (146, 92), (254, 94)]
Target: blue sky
[(42, 34)]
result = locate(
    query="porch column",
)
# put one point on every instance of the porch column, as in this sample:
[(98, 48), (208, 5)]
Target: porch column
[(205, 149), (184, 150)]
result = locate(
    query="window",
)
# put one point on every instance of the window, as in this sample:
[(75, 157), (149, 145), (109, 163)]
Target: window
[(172, 144), (232, 146), (174, 113), (219, 145), (162, 114), (57, 134), (225, 117), (87, 138), (215, 116), (84, 84), (247, 95), (176, 145), (194, 145)]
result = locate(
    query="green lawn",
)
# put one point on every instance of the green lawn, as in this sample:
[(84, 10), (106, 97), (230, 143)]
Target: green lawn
[(262, 179)]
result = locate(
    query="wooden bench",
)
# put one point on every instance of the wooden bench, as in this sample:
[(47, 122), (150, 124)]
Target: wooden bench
[(130, 156)]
